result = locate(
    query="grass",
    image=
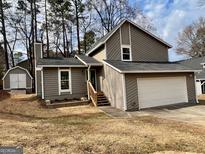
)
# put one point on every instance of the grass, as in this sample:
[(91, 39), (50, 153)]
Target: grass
[(85, 129)]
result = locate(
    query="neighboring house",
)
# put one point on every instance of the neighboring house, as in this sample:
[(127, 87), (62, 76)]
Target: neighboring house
[(197, 63), (17, 78), (129, 66)]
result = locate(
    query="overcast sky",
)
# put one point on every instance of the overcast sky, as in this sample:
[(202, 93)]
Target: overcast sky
[(170, 17)]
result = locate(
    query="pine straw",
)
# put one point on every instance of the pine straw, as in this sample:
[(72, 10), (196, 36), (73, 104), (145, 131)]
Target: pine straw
[(86, 129)]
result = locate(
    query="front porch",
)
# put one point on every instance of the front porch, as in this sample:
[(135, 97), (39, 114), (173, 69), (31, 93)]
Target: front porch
[(94, 77)]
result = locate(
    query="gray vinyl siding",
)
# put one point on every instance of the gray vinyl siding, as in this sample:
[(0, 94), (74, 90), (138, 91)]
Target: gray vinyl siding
[(79, 88), (38, 79), (113, 47), (17, 71), (143, 46), (146, 48), (111, 83), (132, 91), (125, 34)]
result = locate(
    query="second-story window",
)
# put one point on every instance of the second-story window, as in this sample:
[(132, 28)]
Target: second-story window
[(126, 53)]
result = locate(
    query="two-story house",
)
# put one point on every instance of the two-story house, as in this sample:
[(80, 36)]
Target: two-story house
[(128, 68)]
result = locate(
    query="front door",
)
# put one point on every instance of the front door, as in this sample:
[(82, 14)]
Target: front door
[(93, 78)]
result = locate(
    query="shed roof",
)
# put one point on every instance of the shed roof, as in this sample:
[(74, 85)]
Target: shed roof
[(148, 67)]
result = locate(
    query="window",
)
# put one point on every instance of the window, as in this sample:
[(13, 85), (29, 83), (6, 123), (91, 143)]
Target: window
[(64, 82), (126, 54)]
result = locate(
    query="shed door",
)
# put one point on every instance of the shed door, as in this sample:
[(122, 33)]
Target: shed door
[(161, 91), (17, 81)]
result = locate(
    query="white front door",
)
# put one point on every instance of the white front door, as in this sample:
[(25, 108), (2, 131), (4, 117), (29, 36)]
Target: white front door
[(17, 81), (160, 91)]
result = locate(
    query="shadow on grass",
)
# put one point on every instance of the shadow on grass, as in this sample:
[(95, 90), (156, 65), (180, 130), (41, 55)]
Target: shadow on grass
[(55, 120), (4, 95)]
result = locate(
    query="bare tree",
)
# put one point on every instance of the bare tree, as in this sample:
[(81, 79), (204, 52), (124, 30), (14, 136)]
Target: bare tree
[(46, 28), (112, 12), (191, 41), (79, 8), (3, 31)]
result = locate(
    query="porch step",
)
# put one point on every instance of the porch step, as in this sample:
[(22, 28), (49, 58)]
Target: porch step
[(102, 100)]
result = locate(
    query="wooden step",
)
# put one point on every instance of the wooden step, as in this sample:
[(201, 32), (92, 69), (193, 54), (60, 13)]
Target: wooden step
[(102, 100), (104, 104)]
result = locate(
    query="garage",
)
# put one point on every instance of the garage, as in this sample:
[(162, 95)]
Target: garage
[(17, 78), (160, 91)]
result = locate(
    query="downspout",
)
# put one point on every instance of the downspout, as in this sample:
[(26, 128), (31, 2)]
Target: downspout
[(88, 81), (197, 101)]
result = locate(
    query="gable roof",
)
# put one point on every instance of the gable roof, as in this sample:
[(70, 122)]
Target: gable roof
[(195, 63), (59, 62), (147, 67), (16, 68), (108, 35)]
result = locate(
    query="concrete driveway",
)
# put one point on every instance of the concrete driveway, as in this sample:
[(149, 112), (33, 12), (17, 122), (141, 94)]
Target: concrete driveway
[(189, 113), (194, 114)]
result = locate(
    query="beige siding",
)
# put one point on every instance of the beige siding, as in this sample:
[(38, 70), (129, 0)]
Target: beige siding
[(79, 88), (111, 83), (146, 48), (125, 34), (132, 91), (113, 47), (17, 71), (100, 56)]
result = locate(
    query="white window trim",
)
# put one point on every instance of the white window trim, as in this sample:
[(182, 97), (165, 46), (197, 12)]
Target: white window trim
[(59, 81), (126, 46)]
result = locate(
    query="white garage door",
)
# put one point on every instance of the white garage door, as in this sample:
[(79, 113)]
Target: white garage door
[(161, 91), (17, 81)]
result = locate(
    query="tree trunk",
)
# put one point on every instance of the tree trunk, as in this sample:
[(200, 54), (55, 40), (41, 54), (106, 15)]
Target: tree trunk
[(32, 42), (85, 43), (71, 39), (11, 55), (47, 38), (4, 35), (77, 25), (64, 43), (35, 20)]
